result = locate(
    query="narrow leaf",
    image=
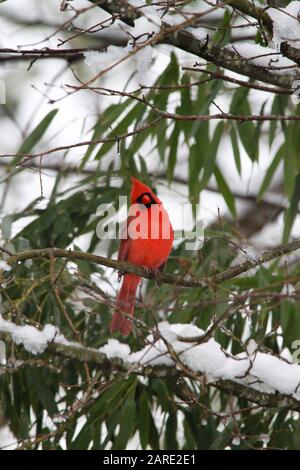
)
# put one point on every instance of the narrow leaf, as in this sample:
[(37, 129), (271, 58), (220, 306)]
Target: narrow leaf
[(126, 424), (211, 155), (174, 138), (236, 150), (292, 211), (225, 190), (271, 171), (37, 133)]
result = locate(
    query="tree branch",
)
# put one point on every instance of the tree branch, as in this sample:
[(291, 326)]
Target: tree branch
[(291, 52), (227, 78), (184, 39), (220, 56), (97, 358), (185, 281), (228, 59), (46, 53), (249, 8)]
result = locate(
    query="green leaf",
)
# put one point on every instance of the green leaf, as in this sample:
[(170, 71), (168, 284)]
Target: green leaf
[(248, 132), (271, 171), (291, 211), (43, 390), (169, 76), (139, 139), (223, 438), (235, 148), (273, 124), (278, 107), (37, 133), (290, 322), (108, 117), (291, 157), (161, 132), (196, 158), (144, 419), (121, 128), (174, 138), (211, 155), (171, 429), (223, 34), (225, 190), (186, 106), (82, 441), (195, 165), (126, 424)]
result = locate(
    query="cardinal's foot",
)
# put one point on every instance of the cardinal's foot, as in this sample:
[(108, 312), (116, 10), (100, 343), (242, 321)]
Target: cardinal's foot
[(154, 273)]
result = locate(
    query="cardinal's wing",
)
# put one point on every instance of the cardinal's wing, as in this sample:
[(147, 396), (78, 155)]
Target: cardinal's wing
[(124, 242), (123, 249)]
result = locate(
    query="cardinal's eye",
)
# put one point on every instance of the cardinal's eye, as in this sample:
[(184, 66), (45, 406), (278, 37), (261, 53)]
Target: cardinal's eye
[(146, 200)]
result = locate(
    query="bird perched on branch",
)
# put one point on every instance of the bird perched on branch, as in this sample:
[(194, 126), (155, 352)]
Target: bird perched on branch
[(146, 241)]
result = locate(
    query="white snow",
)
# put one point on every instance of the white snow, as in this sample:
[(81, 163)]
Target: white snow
[(252, 347), (262, 371), (236, 441), (4, 266), (143, 60), (144, 28), (173, 19), (106, 59), (276, 373), (198, 33), (246, 253), (286, 354), (113, 348), (286, 24), (33, 340), (145, 9), (52, 334), (288, 289), (144, 25), (142, 56), (265, 57), (7, 439)]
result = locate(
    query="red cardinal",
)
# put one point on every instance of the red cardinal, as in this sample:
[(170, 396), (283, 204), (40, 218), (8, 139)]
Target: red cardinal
[(148, 243)]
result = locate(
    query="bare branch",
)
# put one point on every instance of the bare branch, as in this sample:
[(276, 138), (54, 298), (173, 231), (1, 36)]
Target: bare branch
[(185, 281)]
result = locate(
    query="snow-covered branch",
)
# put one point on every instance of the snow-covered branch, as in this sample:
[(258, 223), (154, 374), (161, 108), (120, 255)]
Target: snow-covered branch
[(281, 24), (261, 378)]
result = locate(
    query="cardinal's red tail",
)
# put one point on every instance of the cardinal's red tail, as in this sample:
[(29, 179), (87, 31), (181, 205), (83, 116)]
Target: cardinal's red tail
[(125, 305)]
